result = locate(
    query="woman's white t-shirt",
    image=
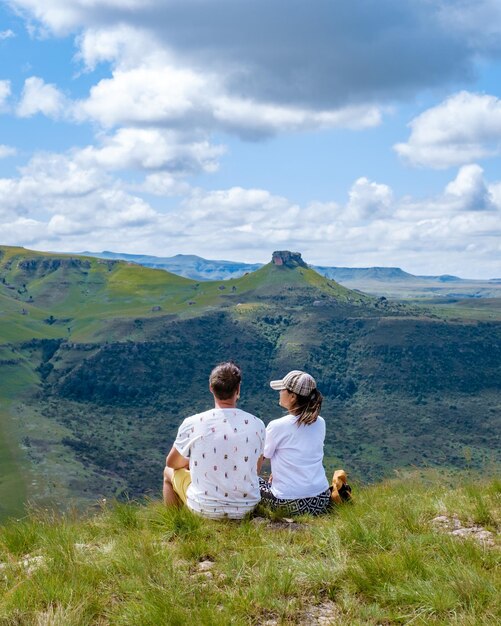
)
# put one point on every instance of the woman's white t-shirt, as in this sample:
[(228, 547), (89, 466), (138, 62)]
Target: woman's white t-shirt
[(296, 454)]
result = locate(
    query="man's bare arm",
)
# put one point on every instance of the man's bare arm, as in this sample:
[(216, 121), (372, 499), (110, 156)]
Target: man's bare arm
[(260, 464), (175, 460)]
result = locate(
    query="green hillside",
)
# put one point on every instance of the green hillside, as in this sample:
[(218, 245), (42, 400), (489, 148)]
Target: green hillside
[(45, 295), (285, 281), (101, 360), (423, 549), (78, 295), (13, 382)]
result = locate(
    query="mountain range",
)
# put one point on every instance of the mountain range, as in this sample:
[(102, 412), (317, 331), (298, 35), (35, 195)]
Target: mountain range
[(387, 281), (101, 359)]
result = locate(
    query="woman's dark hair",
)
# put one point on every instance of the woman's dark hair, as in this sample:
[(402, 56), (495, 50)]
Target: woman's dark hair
[(307, 408), (224, 380)]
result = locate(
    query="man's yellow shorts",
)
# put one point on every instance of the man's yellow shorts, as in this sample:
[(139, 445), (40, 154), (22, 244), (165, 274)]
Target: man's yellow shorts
[(181, 480)]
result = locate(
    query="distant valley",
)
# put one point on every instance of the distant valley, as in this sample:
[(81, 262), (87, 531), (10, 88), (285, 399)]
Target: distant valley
[(100, 360), (383, 281)]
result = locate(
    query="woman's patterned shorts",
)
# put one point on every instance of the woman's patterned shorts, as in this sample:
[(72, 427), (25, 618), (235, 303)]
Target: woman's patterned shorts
[(315, 505)]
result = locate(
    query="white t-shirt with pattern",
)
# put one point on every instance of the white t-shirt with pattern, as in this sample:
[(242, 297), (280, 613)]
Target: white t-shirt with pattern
[(223, 446)]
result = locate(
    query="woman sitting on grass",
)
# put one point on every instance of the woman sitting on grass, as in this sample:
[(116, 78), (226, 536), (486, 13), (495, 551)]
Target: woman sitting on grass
[(295, 446)]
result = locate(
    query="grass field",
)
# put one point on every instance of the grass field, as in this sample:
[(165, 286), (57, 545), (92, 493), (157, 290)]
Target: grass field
[(382, 560), (484, 309)]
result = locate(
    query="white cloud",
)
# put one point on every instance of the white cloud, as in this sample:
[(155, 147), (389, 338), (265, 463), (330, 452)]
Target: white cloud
[(495, 191), (247, 117), (234, 207), (6, 151), (5, 91), (7, 34), (278, 61), (479, 21), (40, 97), (150, 149), (105, 210), (156, 82), (368, 200), (144, 95), (160, 76), (21, 229), (124, 45), (463, 128), (50, 175), (63, 16), (71, 207), (182, 98), (471, 190), (162, 184), (58, 198)]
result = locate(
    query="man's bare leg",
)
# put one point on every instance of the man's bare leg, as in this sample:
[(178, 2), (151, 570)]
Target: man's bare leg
[(170, 496)]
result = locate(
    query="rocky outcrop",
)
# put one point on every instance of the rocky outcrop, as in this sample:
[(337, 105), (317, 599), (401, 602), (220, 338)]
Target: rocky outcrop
[(287, 259), (48, 265), (453, 526)]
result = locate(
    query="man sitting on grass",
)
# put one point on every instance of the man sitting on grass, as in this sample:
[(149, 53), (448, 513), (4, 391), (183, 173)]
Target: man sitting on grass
[(214, 463)]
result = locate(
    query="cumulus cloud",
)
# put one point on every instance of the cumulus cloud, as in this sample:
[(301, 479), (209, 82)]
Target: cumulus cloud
[(63, 199), (57, 176), (5, 91), (6, 151), (368, 200), (7, 34), (471, 190), (244, 69), (495, 191), (479, 22), (162, 94), (463, 128), (40, 97), (162, 184), (253, 119), (239, 208), (285, 61), (123, 45), (58, 202), (151, 149), (50, 183), (17, 229), (115, 208), (144, 95), (62, 16)]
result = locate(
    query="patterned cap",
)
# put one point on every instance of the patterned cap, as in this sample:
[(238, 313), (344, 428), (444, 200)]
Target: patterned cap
[(297, 382)]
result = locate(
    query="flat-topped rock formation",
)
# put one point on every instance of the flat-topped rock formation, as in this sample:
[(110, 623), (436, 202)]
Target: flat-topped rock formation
[(289, 259)]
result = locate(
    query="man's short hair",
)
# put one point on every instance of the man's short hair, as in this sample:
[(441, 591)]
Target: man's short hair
[(224, 380)]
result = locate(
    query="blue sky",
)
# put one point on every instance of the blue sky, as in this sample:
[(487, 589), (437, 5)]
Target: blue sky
[(359, 133)]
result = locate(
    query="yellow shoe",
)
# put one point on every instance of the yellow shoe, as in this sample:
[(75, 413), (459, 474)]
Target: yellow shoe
[(341, 491)]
